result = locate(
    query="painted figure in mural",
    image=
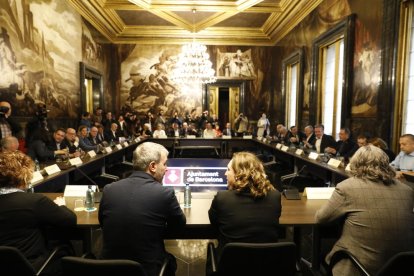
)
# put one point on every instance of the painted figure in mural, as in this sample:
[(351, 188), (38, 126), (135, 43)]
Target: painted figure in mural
[(240, 65), (367, 74), (163, 68), (224, 69)]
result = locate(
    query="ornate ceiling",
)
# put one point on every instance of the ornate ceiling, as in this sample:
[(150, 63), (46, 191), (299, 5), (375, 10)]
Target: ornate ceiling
[(212, 22)]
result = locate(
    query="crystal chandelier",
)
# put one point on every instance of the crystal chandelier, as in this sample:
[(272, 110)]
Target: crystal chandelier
[(193, 64)]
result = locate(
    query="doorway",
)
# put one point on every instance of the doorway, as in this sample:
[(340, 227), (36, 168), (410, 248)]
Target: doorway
[(91, 84), (223, 106), (225, 100)]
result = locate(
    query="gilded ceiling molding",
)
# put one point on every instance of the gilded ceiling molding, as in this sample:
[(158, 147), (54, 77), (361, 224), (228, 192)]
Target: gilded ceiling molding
[(282, 17)]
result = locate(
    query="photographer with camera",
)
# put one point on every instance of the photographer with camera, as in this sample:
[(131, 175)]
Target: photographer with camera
[(37, 124), (241, 124), (8, 127)]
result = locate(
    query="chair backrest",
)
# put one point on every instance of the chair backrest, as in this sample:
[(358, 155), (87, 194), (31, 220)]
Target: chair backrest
[(258, 259), (13, 262), (82, 266), (400, 264)]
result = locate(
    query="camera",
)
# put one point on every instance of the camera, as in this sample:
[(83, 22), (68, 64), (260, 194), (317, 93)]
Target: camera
[(42, 111), (3, 111)]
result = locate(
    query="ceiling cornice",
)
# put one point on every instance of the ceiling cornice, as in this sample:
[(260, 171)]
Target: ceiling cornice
[(281, 17)]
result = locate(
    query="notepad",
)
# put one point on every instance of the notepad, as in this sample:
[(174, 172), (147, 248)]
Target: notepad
[(318, 193)]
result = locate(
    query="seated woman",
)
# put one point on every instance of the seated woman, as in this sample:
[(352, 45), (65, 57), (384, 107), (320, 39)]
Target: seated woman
[(24, 216), (159, 132), (378, 142), (376, 210), (249, 210)]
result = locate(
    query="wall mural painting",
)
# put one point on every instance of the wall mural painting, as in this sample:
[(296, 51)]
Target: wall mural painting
[(367, 72), (39, 54), (92, 50), (235, 65), (147, 85)]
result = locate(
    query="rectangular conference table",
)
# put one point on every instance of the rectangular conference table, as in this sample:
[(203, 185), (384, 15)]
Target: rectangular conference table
[(295, 213)]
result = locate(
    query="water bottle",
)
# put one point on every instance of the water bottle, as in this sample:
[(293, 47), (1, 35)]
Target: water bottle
[(187, 196), (90, 199), (37, 165)]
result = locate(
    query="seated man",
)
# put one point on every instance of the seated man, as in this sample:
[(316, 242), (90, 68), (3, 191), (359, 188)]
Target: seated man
[(405, 159), (295, 136), (72, 143), (9, 143), (135, 212), (227, 131), (345, 147), (93, 136), (57, 142), (174, 131), (111, 135), (310, 138), (38, 149), (187, 130), (322, 140)]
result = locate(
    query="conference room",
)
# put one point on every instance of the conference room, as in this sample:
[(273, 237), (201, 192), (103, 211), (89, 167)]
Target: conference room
[(292, 82)]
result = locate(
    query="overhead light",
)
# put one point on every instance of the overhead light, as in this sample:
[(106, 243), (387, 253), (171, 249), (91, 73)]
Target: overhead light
[(193, 64)]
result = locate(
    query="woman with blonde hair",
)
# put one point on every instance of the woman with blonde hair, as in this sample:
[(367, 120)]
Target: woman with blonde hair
[(249, 210), (376, 210), (24, 216)]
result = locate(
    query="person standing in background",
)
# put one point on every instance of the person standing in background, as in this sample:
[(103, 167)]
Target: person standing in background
[(241, 124), (263, 126), (8, 127)]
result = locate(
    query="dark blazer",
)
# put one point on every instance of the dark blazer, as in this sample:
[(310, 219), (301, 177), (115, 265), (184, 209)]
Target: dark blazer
[(327, 141), (311, 140), (95, 141), (346, 148), (300, 136), (171, 132), (71, 146), (109, 136), (185, 132), (133, 214), (241, 218), (37, 149), (228, 133), (24, 216)]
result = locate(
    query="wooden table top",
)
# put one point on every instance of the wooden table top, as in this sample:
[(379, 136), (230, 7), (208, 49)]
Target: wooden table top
[(294, 212)]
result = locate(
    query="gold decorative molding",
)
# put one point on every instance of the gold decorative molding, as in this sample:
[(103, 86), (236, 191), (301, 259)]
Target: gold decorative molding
[(215, 29)]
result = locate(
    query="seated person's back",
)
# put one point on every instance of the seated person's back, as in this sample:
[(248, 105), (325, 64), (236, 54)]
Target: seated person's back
[(135, 211), (24, 216), (249, 211)]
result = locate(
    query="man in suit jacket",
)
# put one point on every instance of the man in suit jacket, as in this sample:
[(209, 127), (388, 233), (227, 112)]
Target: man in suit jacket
[(310, 137), (187, 130), (135, 211), (376, 211), (93, 136), (227, 131), (57, 142), (111, 135), (322, 140), (345, 147), (295, 136)]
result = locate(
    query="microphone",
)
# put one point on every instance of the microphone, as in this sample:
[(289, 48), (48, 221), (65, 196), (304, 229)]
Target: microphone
[(88, 178), (294, 175)]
